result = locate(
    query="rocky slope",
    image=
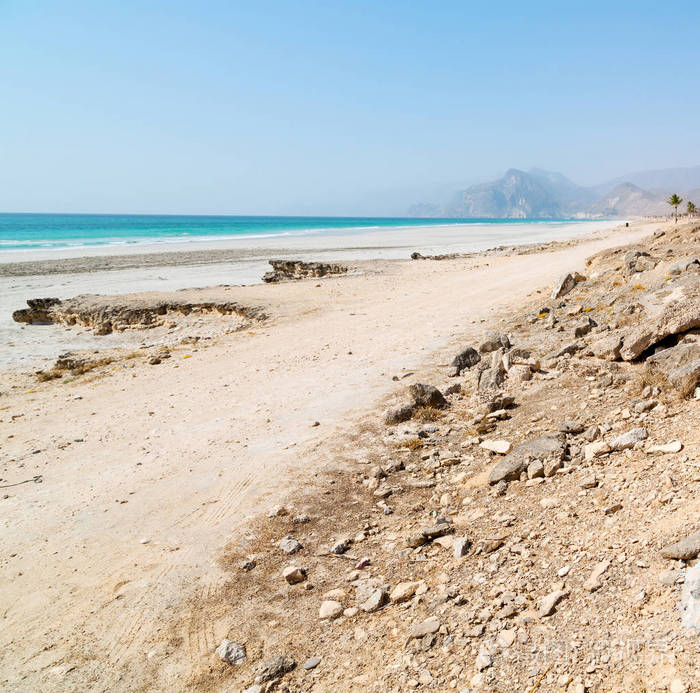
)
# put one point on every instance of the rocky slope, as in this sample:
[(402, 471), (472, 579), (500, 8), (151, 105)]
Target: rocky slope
[(517, 195), (539, 194), (528, 522), (627, 199)]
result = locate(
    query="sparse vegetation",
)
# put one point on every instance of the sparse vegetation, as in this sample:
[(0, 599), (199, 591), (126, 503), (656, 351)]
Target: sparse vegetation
[(413, 444), (426, 414), (675, 202)]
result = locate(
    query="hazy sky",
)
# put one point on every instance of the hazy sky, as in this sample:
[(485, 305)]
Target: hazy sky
[(332, 107)]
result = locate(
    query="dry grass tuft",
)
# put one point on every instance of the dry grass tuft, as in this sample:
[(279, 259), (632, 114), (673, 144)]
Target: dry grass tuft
[(412, 444), (426, 414)]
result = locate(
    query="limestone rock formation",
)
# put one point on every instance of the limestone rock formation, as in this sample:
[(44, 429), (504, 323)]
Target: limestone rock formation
[(288, 270)]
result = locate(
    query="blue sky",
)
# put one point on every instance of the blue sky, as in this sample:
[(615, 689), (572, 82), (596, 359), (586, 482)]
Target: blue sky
[(332, 107)]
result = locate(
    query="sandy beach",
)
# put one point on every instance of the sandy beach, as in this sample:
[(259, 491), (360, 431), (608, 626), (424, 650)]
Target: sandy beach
[(138, 475), (70, 272)]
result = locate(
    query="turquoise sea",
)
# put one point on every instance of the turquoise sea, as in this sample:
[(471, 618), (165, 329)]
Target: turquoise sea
[(57, 231)]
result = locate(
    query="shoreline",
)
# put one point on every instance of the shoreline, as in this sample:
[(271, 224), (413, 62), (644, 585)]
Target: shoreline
[(362, 243), (22, 348)]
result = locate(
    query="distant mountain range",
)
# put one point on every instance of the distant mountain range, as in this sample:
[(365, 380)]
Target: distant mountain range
[(539, 194)]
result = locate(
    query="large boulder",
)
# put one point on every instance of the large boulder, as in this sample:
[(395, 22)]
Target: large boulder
[(677, 367), (427, 396), (547, 449), (677, 318)]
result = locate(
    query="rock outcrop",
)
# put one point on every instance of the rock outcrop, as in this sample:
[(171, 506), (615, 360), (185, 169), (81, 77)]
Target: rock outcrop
[(680, 316), (291, 270), (105, 314), (677, 367)]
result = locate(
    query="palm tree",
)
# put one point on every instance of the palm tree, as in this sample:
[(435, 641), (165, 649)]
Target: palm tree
[(675, 201), (692, 209)]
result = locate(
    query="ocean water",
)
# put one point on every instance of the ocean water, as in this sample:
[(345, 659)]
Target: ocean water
[(24, 232)]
